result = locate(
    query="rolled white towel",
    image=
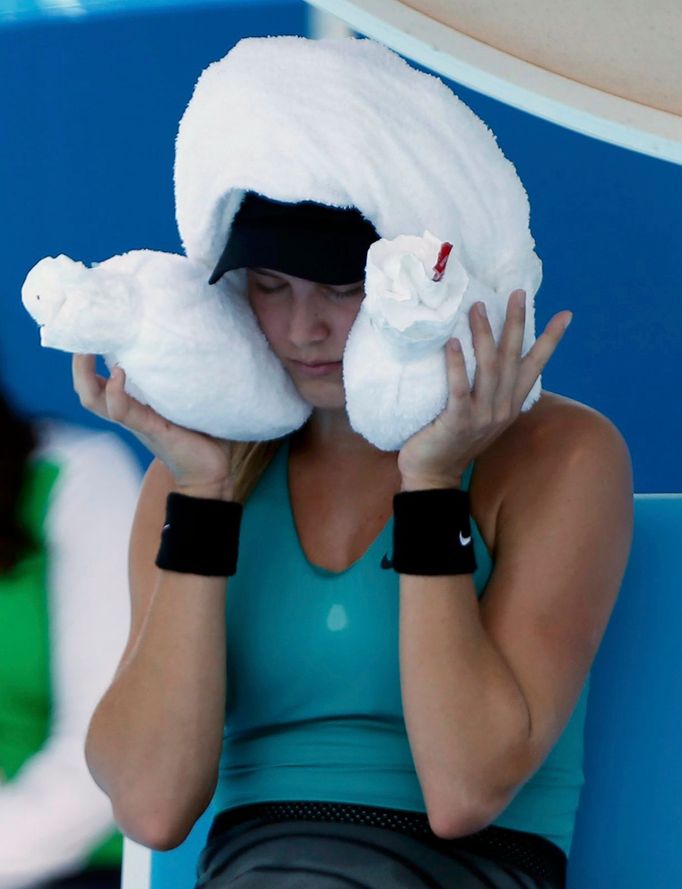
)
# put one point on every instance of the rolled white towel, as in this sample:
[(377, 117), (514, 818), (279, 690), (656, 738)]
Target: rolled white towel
[(194, 352), (394, 368)]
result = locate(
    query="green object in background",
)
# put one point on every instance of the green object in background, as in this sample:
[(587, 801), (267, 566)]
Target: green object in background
[(25, 683)]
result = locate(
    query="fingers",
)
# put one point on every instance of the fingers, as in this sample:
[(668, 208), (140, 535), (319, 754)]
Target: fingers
[(458, 381), (88, 385), (108, 399), (119, 403), (503, 377), (511, 344), (487, 360), (537, 357), (459, 393), (127, 411)]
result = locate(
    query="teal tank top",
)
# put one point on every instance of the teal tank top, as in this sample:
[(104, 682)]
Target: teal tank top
[(313, 707)]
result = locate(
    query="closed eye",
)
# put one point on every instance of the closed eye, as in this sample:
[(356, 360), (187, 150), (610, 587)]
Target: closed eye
[(359, 289), (341, 294), (265, 289), (336, 293)]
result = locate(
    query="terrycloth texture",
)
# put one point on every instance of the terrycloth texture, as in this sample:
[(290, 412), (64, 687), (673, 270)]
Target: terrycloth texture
[(345, 122), (195, 353), (404, 321)]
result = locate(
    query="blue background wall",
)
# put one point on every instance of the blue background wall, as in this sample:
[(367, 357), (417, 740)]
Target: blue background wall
[(88, 115)]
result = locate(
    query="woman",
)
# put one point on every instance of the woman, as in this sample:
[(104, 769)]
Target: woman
[(63, 620), (465, 695)]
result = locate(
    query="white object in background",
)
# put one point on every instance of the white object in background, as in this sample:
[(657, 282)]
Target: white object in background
[(454, 40), (52, 813), (136, 872)]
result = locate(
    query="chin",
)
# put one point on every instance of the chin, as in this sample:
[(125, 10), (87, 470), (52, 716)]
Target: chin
[(329, 397)]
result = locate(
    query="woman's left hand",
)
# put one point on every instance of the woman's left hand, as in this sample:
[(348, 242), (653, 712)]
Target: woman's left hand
[(438, 454)]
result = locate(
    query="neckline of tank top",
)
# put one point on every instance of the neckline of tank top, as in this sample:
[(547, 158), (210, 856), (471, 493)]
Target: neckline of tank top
[(283, 454)]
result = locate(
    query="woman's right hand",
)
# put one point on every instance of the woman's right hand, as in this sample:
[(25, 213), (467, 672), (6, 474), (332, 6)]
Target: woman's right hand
[(200, 464)]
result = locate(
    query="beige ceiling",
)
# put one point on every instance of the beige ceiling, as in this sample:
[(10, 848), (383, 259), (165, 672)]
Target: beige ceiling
[(628, 48), (610, 69)]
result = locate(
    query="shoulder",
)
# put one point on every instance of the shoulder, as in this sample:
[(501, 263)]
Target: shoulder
[(559, 447), (557, 432)]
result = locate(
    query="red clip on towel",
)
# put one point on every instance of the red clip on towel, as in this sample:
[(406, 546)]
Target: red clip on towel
[(442, 261)]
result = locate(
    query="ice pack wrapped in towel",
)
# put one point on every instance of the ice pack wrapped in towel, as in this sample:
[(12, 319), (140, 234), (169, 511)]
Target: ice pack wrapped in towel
[(186, 347), (406, 318), (347, 123)]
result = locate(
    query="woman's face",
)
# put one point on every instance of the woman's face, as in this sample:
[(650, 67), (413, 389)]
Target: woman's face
[(306, 323)]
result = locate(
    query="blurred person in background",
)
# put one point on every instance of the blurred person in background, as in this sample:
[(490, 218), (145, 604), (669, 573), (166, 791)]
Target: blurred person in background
[(67, 497)]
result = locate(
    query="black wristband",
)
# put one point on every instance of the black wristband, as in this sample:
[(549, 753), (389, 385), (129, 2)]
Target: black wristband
[(201, 536), (432, 533)]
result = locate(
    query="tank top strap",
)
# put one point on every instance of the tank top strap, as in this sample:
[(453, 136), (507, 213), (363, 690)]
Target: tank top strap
[(466, 478)]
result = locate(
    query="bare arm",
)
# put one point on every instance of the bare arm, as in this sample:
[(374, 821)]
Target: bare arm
[(488, 687), (154, 740), (487, 690)]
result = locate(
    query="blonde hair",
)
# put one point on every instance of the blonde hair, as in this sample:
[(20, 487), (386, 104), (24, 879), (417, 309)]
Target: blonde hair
[(250, 459)]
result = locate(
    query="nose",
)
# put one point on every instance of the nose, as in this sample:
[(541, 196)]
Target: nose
[(307, 323)]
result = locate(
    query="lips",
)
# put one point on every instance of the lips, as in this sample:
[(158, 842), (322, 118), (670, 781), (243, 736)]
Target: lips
[(317, 370)]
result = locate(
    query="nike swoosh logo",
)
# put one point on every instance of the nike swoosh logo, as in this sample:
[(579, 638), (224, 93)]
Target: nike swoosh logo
[(464, 540), (386, 562)]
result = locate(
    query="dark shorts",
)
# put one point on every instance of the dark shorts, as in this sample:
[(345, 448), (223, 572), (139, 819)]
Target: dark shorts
[(249, 851)]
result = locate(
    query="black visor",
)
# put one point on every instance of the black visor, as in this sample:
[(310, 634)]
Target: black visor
[(306, 239)]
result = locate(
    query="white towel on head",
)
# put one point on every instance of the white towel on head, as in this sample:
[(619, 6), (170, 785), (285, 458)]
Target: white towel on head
[(345, 122)]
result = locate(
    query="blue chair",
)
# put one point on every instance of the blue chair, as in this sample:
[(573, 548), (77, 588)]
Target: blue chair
[(629, 826), (176, 869)]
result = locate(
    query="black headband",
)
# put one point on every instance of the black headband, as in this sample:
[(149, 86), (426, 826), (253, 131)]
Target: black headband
[(305, 239)]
